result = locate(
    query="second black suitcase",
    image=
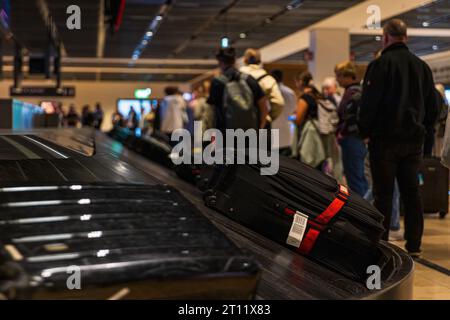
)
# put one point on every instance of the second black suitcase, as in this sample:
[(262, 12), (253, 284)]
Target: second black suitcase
[(434, 185), (155, 149)]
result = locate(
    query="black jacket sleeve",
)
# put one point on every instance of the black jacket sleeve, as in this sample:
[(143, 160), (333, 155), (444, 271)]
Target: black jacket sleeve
[(432, 106), (373, 90)]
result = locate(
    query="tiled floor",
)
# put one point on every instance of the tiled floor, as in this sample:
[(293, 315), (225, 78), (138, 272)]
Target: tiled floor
[(428, 283)]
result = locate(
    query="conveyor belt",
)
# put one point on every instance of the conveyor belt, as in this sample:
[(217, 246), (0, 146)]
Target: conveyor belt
[(286, 275)]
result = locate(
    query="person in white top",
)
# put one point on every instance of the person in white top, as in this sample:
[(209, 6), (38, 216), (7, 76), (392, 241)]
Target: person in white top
[(282, 123), (330, 90), (252, 67), (172, 112)]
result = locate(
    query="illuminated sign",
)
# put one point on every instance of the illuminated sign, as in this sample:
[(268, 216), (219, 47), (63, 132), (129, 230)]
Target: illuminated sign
[(142, 93), (224, 42), (42, 92)]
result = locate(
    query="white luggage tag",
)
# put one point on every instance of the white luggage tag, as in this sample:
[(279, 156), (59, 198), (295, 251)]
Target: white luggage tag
[(298, 228)]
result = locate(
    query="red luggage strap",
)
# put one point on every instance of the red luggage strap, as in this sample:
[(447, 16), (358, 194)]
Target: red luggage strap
[(316, 225)]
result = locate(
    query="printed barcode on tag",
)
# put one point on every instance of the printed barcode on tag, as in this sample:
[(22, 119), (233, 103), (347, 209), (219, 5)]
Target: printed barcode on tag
[(300, 220), (297, 231), (297, 228)]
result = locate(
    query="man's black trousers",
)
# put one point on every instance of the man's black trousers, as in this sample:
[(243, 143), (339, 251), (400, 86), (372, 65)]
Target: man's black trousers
[(390, 160)]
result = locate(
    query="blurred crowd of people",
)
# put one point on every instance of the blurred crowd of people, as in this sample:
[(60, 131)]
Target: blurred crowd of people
[(87, 118)]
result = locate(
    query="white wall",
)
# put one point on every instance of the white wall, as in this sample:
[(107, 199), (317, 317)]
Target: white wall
[(90, 92)]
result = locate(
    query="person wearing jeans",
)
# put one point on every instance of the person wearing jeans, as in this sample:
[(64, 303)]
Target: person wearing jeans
[(354, 149), (354, 152)]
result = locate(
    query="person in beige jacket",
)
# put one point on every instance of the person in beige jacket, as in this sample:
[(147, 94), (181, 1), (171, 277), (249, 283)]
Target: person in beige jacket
[(252, 67)]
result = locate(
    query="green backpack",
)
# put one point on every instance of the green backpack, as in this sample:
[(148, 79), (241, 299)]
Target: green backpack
[(238, 103)]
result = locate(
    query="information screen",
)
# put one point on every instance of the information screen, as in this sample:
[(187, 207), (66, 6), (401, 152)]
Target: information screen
[(141, 107)]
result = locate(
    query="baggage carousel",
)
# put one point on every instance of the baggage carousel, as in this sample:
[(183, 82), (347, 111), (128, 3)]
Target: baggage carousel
[(284, 274)]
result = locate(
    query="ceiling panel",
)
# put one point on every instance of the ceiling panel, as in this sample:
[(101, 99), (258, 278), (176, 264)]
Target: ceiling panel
[(187, 18)]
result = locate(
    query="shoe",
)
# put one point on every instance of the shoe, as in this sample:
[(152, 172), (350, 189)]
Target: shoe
[(415, 254), (396, 235)]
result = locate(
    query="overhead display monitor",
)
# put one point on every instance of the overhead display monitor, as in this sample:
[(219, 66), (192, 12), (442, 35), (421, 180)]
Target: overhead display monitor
[(140, 106)]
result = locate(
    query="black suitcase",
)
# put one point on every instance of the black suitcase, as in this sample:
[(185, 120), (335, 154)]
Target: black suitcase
[(188, 172), (154, 149), (306, 211), (127, 241), (434, 186), (119, 134)]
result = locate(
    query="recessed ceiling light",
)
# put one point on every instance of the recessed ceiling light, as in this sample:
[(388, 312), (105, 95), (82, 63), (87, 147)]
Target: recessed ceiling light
[(243, 35), (435, 47), (152, 29), (289, 7), (378, 38), (426, 24)]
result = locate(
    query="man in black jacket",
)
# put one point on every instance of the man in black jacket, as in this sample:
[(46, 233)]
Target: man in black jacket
[(398, 107)]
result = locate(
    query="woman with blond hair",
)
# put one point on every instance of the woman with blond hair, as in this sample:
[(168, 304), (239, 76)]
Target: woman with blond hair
[(354, 150)]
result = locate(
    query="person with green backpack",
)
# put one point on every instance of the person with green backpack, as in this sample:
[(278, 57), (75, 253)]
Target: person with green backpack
[(239, 101)]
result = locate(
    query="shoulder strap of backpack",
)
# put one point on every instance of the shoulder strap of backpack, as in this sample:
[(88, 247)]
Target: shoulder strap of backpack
[(262, 77), (243, 76), (323, 103), (222, 78), (355, 87)]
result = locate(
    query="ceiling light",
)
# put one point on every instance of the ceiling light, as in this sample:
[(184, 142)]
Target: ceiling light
[(151, 29), (435, 47), (378, 38), (426, 24), (243, 35), (294, 4)]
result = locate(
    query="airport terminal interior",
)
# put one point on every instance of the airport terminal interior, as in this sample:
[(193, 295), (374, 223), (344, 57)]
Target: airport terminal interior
[(121, 178)]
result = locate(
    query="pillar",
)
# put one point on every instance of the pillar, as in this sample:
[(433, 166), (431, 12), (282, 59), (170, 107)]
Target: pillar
[(329, 47)]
